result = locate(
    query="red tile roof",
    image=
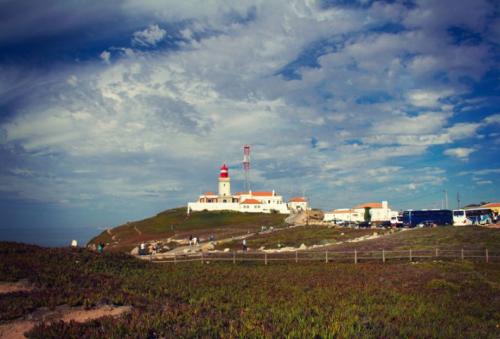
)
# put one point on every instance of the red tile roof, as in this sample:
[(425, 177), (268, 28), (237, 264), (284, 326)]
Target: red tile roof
[(263, 194), (251, 201), (370, 204), (492, 204), (208, 193), (342, 211), (257, 194), (297, 199)]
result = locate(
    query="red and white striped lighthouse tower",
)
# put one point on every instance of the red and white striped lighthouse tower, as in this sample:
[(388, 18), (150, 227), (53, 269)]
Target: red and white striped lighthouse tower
[(224, 182)]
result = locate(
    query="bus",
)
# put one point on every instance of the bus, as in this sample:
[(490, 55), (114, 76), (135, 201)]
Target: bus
[(413, 218), (473, 216)]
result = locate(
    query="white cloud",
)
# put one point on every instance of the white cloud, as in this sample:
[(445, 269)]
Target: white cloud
[(427, 98), (194, 107), (105, 56), (484, 182), (149, 37), (461, 153), (493, 119)]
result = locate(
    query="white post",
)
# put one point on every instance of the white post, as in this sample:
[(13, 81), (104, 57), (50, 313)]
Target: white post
[(383, 255), (296, 256), (410, 255), (234, 257), (355, 256), (326, 257), (265, 258)]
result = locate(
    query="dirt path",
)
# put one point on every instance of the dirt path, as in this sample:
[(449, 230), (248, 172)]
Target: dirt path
[(9, 287), (17, 328)]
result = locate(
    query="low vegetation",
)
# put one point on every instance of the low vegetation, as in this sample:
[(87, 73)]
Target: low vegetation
[(426, 299), (296, 236), (443, 237), (175, 223)]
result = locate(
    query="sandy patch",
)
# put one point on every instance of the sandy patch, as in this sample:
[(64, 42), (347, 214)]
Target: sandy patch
[(81, 316), (17, 328), (10, 287)]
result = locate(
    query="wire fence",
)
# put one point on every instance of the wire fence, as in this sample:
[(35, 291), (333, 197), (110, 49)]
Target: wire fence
[(354, 256)]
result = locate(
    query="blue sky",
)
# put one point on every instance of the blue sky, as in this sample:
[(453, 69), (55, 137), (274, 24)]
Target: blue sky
[(113, 112)]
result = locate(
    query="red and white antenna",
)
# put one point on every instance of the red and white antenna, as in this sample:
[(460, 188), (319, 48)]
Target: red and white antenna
[(246, 166)]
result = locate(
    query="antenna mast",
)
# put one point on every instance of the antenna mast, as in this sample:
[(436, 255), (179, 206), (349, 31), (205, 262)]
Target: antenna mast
[(246, 166)]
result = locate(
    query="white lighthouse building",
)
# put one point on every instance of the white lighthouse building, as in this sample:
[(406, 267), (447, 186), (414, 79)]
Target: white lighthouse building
[(252, 202), (224, 182)]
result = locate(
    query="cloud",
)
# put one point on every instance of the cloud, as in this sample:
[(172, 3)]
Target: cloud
[(493, 119), (149, 37), (484, 182), (427, 98), (461, 153), (105, 56), (271, 74)]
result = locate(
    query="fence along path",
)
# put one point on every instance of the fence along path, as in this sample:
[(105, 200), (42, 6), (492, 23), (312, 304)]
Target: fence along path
[(354, 256)]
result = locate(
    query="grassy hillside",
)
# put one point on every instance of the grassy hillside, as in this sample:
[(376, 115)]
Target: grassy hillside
[(176, 223), (452, 299), (447, 237), (309, 235)]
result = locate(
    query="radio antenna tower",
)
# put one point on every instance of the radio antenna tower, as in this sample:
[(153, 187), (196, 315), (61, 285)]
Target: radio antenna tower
[(246, 166)]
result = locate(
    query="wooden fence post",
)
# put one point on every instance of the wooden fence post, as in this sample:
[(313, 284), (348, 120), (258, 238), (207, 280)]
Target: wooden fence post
[(462, 254), (326, 257), (410, 255), (296, 256), (355, 256), (383, 255), (486, 255), (265, 258), (234, 257)]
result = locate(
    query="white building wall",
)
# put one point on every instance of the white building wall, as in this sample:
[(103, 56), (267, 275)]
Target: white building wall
[(255, 208), (213, 206), (297, 206)]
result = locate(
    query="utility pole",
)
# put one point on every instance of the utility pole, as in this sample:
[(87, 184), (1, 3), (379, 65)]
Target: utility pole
[(445, 199), (458, 200)]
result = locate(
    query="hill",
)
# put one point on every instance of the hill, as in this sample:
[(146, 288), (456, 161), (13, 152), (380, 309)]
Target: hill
[(176, 224), (432, 299)]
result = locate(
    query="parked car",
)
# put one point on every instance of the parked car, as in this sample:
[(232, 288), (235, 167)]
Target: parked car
[(365, 224), (386, 224), (397, 221)]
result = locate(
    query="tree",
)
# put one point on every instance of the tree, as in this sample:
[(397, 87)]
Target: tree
[(368, 216)]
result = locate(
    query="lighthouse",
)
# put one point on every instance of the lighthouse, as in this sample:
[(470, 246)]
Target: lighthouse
[(224, 182)]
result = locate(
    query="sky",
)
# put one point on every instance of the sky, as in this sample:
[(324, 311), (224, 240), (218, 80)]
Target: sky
[(112, 111)]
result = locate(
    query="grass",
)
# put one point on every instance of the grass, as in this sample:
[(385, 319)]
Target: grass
[(432, 299), (296, 236), (176, 223), (446, 237)]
